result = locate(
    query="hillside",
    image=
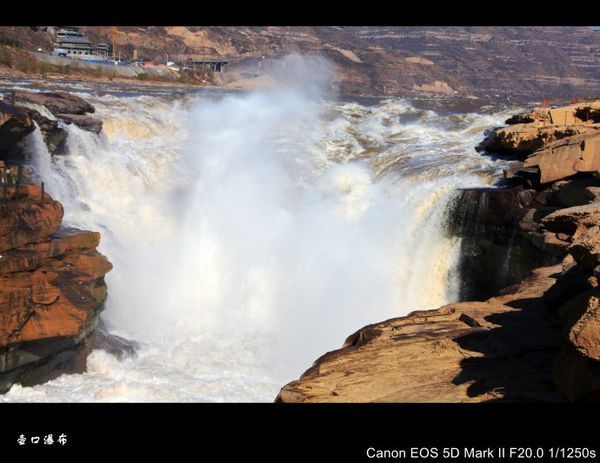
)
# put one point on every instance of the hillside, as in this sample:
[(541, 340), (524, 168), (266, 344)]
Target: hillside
[(496, 62)]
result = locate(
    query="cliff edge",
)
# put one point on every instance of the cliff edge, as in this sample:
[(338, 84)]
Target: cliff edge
[(52, 284), (537, 338)]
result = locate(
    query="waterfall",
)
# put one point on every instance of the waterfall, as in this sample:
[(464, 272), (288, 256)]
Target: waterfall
[(250, 233)]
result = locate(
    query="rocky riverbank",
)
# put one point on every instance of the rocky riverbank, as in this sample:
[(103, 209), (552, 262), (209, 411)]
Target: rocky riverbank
[(531, 254), (21, 112), (52, 284)]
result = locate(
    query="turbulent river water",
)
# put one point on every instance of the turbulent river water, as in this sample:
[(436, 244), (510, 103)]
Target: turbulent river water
[(252, 232)]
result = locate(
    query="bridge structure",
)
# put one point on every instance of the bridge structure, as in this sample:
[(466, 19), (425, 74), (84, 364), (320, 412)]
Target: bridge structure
[(216, 65)]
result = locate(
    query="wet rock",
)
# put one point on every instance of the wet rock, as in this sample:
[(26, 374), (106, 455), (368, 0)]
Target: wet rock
[(91, 124), (19, 122), (63, 356), (15, 125), (54, 136), (56, 102), (501, 240)]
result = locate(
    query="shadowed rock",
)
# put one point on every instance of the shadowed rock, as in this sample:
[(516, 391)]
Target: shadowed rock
[(15, 125), (500, 349), (91, 124), (537, 340)]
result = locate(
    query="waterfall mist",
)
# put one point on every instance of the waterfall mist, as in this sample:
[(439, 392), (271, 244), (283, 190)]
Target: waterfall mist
[(251, 233)]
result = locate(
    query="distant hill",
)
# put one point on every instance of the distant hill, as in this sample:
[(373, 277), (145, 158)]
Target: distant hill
[(496, 62)]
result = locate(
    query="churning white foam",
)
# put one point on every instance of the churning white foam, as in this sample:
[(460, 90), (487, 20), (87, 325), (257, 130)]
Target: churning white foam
[(253, 232)]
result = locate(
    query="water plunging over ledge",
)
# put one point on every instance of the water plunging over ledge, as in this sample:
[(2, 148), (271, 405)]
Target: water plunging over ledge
[(251, 233)]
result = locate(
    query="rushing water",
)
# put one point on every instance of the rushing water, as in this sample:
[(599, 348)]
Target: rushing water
[(250, 233)]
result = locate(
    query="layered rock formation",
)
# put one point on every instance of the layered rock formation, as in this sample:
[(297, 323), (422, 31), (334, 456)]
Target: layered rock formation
[(561, 142), (535, 129), (466, 352), (15, 124), (56, 102), (567, 157), (20, 117), (501, 237), (538, 339), (502, 229), (51, 280), (51, 277)]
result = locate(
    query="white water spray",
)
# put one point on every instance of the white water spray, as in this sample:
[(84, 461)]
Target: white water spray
[(252, 233)]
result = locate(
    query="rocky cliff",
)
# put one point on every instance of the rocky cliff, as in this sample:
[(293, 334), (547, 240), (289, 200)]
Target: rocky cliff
[(536, 334), (20, 114), (51, 277)]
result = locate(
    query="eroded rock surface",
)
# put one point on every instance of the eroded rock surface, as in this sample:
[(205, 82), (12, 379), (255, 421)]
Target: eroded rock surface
[(15, 124), (56, 102), (502, 239), (91, 124), (560, 142), (502, 348), (22, 111), (536, 340), (567, 157), (521, 140), (51, 281)]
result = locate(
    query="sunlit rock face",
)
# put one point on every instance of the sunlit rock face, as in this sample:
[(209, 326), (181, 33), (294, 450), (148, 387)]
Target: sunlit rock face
[(51, 280)]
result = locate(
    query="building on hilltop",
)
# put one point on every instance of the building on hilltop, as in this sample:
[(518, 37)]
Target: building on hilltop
[(70, 42)]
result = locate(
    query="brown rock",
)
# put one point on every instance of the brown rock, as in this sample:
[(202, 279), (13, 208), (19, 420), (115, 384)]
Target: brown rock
[(567, 157), (91, 124), (539, 129), (553, 244), (586, 248), (524, 139), (56, 102), (51, 282), (29, 220), (538, 114), (574, 192), (15, 124), (577, 376), (585, 333), (54, 136), (577, 370), (466, 352), (573, 220)]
